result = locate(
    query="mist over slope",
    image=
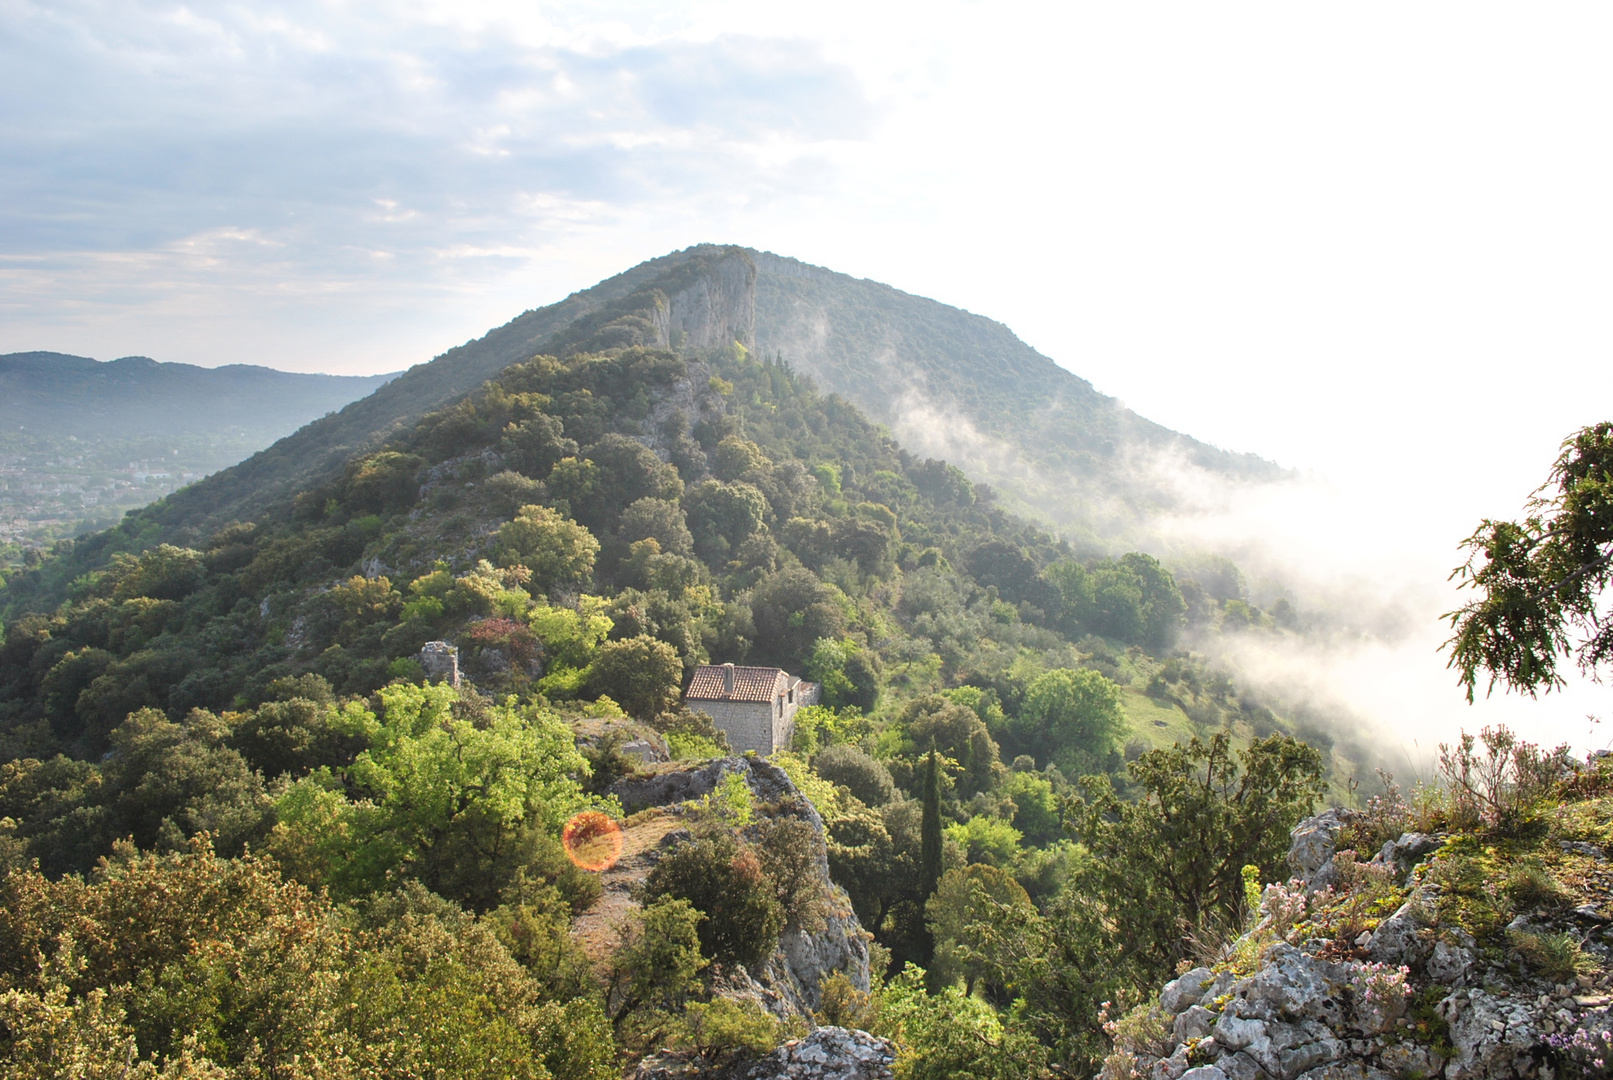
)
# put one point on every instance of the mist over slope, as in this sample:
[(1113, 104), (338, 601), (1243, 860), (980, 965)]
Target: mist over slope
[(959, 385), (1011, 416)]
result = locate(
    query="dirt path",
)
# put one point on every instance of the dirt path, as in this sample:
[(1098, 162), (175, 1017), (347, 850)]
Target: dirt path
[(598, 927)]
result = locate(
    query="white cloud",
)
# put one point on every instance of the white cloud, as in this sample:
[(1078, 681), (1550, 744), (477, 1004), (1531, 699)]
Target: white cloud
[(1366, 240)]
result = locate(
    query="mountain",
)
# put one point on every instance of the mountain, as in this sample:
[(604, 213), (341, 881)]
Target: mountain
[(81, 441), (55, 394), (963, 387), (234, 711), (952, 383)]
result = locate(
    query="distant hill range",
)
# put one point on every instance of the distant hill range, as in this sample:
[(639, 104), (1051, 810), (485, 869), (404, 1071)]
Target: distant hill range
[(54, 394), (947, 382)]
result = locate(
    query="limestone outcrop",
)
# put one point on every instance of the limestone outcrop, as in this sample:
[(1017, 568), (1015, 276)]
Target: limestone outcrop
[(1372, 971)]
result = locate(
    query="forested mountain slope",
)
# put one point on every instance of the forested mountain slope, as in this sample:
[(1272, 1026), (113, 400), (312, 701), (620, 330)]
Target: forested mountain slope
[(962, 386), (585, 529), (1058, 447)]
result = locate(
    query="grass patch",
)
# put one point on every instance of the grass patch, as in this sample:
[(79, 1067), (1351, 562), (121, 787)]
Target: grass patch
[(1532, 885), (1559, 957)]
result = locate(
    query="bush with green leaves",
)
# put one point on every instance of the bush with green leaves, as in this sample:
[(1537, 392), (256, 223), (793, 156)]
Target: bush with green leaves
[(194, 965), (868, 780), (642, 675), (457, 800), (722, 878), (952, 1034), (1072, 718)]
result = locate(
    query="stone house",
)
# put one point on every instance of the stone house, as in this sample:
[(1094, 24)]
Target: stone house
[(754, 706)]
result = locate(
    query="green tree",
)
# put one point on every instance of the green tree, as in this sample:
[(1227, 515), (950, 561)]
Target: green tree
[(1072, 717), (1172, 860), (936, 723), (793, 610), (437, 793), (1540, 580), (930, 801), (867, 780), (557, 550), (723, 878), (642, 675), (655, 969), (966, 896), (848, 673), (952, 1034), (722, 516)]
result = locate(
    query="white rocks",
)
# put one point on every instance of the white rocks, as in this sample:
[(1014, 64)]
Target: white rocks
[(1293, 983), (1193, 1024), (1241, 1067), (1219, 985), (1204, 1072), (1398, 938), (1449, 964), (829, 1053), (1411, 1059), (1184, 991), (1493, 1036), (1314, 841), (1237, 1032)]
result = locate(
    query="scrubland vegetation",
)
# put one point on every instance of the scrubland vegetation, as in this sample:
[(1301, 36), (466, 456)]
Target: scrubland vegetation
[(242, 834)]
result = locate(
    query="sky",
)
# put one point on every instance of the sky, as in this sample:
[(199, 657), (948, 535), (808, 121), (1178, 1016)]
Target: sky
[(1369, 241)]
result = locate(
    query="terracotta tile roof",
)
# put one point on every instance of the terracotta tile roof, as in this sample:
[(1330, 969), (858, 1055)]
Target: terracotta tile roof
[(750, 683)]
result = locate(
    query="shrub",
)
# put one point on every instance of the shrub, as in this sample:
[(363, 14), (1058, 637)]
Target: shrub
[(791, 852), (724, 1029), (840, 1004), (556, 550), (854, 770), (723, 879), (951, 1034), (642, 674), (1499, 787)]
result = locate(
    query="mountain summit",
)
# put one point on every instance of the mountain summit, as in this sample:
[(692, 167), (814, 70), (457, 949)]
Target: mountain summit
[(947, 382)]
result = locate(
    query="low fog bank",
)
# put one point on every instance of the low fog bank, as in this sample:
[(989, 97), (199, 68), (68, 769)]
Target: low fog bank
[(1366, 568), (1364, 565)]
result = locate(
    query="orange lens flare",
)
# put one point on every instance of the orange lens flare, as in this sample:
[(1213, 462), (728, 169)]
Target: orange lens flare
[(592, 840)]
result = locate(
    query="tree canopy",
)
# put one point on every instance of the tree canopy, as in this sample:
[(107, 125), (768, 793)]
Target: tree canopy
[(1540, 579)]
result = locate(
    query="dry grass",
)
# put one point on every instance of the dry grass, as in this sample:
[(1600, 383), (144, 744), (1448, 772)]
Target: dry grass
[(598, 928)]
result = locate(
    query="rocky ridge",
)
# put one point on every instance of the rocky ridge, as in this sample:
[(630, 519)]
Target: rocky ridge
[(828, 1053), (1404, 966)]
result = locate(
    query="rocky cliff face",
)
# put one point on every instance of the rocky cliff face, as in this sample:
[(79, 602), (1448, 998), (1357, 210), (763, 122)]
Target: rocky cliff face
[(789, 984), (716, 308), (1398, 967)]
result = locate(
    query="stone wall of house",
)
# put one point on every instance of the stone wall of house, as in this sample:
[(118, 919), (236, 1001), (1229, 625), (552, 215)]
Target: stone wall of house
[(749, 725)]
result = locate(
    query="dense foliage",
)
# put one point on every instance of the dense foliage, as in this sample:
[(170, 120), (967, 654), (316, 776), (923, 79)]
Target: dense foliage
[(587, 529), (1541, 579)]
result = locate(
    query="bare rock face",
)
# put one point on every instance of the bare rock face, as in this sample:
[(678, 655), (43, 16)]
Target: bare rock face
[(1314, 841), (1315, 1009), (829, 1053)]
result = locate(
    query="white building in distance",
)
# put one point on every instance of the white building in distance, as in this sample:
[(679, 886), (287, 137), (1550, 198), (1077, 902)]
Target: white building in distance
[(754, 706)]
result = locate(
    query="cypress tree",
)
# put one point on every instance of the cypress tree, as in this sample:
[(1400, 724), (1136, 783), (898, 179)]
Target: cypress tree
[(930, 833)]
